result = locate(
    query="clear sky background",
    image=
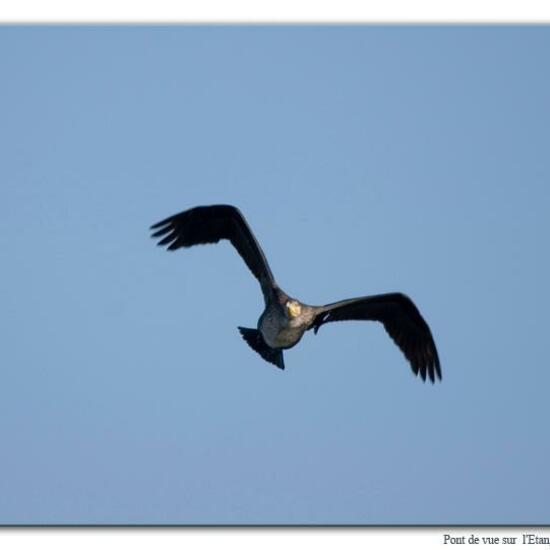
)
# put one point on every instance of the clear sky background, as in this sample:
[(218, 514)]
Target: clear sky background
[(367, 160)]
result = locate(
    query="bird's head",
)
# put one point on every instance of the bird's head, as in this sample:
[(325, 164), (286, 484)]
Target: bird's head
[(293, 308)]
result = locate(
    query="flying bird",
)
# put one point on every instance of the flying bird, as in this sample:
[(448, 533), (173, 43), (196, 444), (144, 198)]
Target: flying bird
[(285, 319)]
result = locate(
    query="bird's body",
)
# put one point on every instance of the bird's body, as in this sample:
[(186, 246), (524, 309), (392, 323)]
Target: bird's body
[(284, 319), (277, 330), (280, 330)]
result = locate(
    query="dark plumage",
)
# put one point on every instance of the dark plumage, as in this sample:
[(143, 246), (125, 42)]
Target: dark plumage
[(284, 319)]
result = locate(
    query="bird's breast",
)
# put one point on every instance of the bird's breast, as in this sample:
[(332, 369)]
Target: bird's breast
[(278, 331)]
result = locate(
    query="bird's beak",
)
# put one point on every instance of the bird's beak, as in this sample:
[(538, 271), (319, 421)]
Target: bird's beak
[(293, 310)]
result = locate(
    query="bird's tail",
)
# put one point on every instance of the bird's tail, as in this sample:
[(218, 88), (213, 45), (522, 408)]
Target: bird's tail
[(255, 340)]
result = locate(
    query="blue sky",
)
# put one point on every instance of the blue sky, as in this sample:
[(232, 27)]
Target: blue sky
[(367, 160)]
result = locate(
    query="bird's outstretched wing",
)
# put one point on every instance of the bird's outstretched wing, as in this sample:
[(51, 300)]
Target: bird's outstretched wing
[(402, 321), (210, 224)]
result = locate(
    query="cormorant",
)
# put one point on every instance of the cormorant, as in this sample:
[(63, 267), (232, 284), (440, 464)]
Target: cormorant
[(284, 319)]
